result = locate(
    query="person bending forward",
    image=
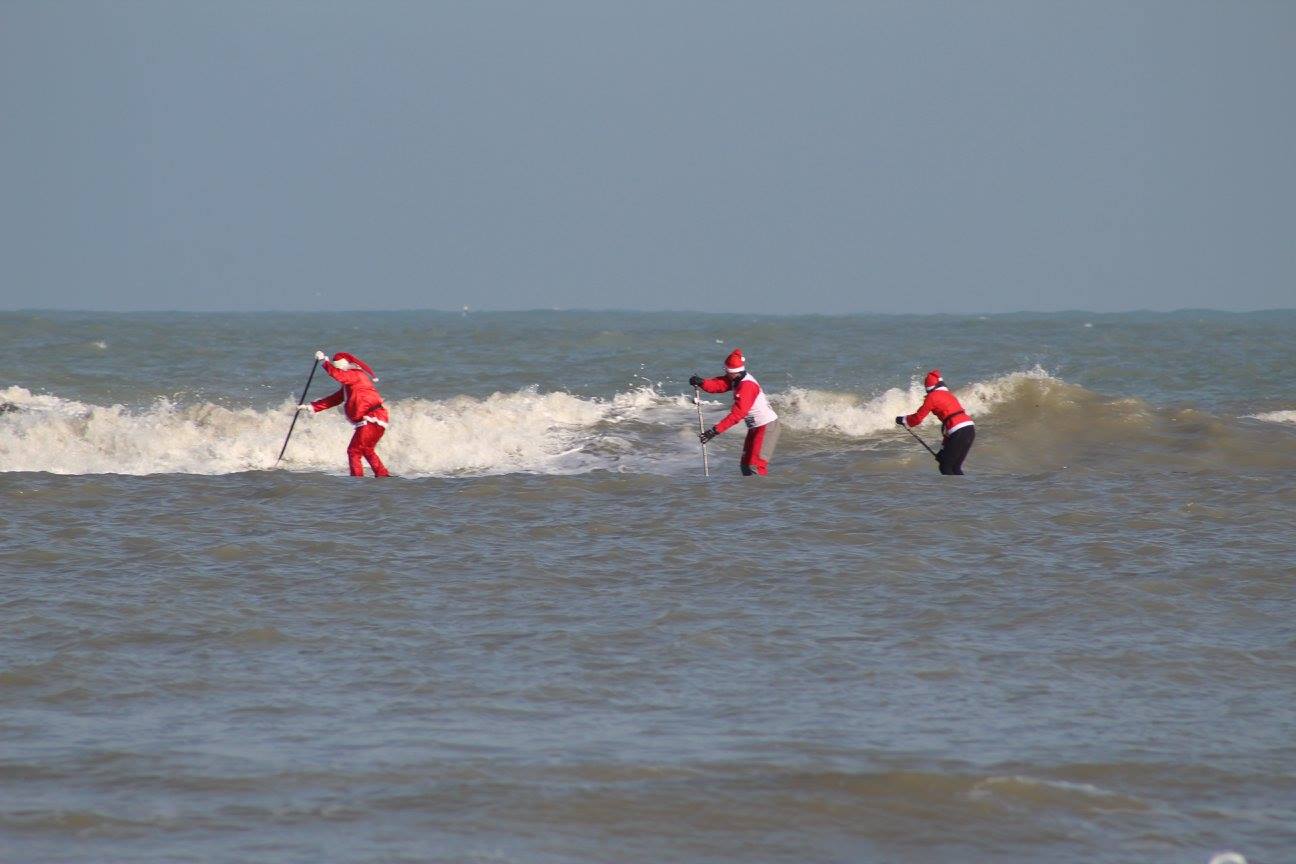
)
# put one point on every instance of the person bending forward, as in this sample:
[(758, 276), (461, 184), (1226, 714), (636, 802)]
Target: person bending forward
[(957, 429), (364, 408)]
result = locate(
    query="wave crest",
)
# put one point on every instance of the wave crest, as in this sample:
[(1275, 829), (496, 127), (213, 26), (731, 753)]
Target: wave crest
[(1275, 416), (525, 431), (1028, 421), (851, 415)]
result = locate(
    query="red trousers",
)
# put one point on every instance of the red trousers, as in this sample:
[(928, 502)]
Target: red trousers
[(362, 444), (758, 449)]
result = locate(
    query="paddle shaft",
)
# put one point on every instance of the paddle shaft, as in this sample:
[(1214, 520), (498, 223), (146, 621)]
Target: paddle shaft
[(697, 400), (296, 413), (920, 441)]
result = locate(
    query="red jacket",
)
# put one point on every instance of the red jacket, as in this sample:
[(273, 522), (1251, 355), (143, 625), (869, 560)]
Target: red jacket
[(947, 409), (363, 401), (749, 403)]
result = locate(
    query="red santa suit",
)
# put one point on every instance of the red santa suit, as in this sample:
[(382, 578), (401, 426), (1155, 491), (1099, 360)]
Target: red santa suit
[(751, 407), (957, 430), (364, 408)]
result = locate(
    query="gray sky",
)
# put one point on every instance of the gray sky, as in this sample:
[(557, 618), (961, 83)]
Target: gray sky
[(755, 156)]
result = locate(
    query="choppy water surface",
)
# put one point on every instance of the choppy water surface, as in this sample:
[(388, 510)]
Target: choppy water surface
[(551, 640)]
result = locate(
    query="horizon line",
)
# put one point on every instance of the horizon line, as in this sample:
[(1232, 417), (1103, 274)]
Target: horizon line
[(467, 310)]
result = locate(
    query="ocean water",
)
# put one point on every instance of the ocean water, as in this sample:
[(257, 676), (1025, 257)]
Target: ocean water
[(551, 639)]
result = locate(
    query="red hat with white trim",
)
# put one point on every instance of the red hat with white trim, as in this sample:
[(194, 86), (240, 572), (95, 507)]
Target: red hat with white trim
[(355, 362), (735, 362), (933, 380)]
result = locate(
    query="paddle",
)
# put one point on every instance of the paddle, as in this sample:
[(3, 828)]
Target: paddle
[(296, 413), (922, 442), (706, 470)]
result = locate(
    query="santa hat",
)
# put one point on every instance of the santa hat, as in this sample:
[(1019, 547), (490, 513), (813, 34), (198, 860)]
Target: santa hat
[(355, 362), (735, 362), (933, 380)]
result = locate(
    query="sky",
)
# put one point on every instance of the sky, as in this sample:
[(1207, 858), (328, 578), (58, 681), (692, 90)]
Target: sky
[(710, 155)]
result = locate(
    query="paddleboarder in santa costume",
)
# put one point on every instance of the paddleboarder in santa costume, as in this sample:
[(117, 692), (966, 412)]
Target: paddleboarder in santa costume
[(957, 429), (364, 408), (751, 407)]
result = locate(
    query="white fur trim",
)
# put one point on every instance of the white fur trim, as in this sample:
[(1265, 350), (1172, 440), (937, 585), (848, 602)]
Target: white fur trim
[(373, 420), (958, 426)]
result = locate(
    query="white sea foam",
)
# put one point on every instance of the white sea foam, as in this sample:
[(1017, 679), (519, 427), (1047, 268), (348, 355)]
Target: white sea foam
[(1019, 781), (1053, 792), (525, 431), (1275, 416), (63, 436), (852, 415)]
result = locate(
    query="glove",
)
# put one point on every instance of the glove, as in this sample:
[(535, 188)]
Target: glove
[(306, 406), (695, 381), (708, 435), (900, 422), (320, 356)]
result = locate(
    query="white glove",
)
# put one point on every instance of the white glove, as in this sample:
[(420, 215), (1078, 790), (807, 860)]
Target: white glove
[(306, 406), (321, 356), (341, 363)]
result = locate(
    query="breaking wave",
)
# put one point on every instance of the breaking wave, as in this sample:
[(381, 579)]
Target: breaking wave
[(1028, 421), (1275, 416), (524, 431), (855, 416)]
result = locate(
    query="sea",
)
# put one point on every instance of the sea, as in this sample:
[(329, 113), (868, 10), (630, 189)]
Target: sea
[(551, 638)]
